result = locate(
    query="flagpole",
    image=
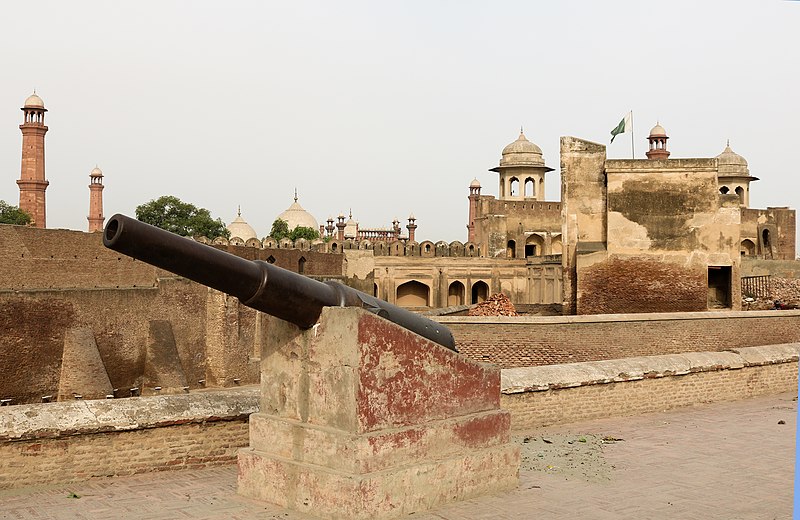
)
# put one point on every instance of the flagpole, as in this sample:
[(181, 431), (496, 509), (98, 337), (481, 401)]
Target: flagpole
[(633, 152)]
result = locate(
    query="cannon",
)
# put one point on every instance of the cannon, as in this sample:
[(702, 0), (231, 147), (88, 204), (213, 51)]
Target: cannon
[(265, 287)]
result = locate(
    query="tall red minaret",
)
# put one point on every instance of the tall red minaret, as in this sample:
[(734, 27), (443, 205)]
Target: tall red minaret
[(32, 183), (96, 217)]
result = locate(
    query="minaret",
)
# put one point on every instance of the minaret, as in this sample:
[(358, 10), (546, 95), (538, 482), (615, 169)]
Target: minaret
[(658, 143), (411, 227), (32, 183), (474, 197), (96, 217)]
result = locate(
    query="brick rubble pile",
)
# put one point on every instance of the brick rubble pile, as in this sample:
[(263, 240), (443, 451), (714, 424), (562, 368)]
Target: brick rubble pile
[(495, 305)]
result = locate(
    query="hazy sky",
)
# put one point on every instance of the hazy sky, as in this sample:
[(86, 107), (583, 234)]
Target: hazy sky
[(387, 108)]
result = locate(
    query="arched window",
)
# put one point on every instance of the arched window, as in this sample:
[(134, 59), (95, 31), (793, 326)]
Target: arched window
[(748, 247), (534, 246), (724, 190), (455, 294), (530, 187), (513, 187), (511, 249), (740, 192), (412, 294), (480, 292)]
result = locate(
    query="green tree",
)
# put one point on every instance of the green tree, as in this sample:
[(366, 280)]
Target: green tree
[(303, 232), (13, 215), (280, 229), (182, 218)]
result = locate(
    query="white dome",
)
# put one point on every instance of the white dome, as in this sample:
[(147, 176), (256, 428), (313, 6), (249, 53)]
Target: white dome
[(34, 101), (240, 228), (295, 216)]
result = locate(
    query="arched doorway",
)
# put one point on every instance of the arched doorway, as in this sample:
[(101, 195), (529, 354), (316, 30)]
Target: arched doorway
[(748, 247), (480, 292), (455, 294), (412, 294), (534, 246), (511, 249)]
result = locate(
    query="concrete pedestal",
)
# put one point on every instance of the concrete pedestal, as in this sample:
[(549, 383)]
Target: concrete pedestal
[(361, 418)]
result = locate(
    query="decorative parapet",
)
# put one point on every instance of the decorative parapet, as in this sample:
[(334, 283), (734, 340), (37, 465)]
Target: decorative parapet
[(554, 377), (50, 420)]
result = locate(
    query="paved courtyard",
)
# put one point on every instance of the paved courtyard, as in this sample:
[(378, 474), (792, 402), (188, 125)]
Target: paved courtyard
[(726, 461)]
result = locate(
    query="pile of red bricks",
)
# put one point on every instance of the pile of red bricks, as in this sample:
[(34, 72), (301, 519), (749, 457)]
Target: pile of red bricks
[(495, 305)]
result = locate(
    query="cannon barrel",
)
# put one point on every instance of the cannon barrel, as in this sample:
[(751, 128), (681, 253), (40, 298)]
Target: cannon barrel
[(262, 286)]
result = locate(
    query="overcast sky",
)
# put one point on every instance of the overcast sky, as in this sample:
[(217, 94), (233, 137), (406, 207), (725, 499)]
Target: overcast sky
[(388, 108)]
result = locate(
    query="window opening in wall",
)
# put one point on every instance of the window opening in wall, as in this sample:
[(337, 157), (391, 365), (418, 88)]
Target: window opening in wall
[(514, 187), (748, 248), (511, 249), (724, 190), (719, 287), (375, 290), (455, 294), (740, 192), (766, 246), (271, 259), (530, 250), (530, 187), (480, 292)]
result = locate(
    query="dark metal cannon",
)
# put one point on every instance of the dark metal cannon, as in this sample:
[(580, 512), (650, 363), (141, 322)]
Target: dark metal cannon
[(262, 286)]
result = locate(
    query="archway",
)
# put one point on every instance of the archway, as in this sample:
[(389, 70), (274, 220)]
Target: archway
[(455, 294), (480, 292), (513, 187), (412, 294), (534, 246), (740, 192), (511, 249), (748, 247), (530, 187)]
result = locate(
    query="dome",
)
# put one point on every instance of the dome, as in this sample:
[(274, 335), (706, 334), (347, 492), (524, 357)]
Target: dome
[(295, 216), (34, 101), (731, 163), (475, 183), (658, 131), (351, 227), (522, 152), (240, 228), (96, 172)]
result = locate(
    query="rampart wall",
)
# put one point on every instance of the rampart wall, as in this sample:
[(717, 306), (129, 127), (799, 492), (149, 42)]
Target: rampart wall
[(546, 340), (540, 396)]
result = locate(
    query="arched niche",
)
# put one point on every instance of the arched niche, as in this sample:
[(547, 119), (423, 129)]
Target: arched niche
[(412, 294), (480, 291), (455, 294)]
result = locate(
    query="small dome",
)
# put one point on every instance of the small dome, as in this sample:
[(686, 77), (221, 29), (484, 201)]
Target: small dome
[(96, 172), (658, 131), (522, 153), (731, 163), (351, 227), (240, 228), (475, 183), (295, 216), (34, 101)]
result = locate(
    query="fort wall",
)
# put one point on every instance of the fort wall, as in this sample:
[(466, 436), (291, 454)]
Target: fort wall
[(541, 396), (546, 340)]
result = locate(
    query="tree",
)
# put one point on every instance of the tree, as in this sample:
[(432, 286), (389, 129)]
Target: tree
[(13, 215), (280, 229), (304, 232), (182, 218)]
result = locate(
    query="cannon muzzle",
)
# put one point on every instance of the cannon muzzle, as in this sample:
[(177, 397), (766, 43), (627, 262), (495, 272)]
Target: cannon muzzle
[(262, 286)]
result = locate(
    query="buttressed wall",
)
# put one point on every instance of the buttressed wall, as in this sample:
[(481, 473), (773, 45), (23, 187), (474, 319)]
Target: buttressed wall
[(78, 318)]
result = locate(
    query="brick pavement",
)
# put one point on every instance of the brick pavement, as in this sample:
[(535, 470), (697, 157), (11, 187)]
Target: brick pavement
[(726, 460)]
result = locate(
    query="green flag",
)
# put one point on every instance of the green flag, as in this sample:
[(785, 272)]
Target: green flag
[(623, 126)]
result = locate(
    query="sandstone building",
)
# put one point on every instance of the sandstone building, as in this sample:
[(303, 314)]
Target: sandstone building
[(32, 182)]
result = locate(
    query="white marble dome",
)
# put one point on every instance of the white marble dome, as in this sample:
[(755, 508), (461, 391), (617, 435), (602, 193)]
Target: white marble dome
[(522, 153), (240, 228), (295, 216), (34, 101)]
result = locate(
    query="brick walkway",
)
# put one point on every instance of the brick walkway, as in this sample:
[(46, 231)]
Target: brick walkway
[(726, 461)]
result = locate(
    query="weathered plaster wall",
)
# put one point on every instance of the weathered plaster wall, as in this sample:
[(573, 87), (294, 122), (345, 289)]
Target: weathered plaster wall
[(780, 223), (546, 340), (583, 209), (499, 221)]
